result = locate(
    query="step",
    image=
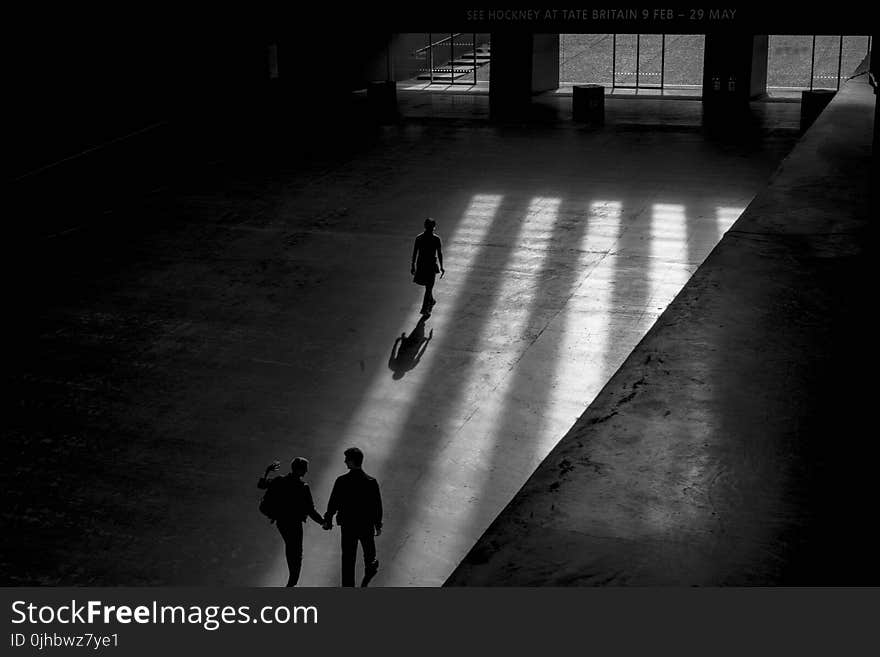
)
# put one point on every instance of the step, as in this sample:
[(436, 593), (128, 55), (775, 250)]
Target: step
[(445, 79), (442, 77)]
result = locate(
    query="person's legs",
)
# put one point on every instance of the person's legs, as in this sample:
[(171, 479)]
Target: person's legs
[(349, 554), (428, 299), (368, 543), (371, 564), (292, 533)]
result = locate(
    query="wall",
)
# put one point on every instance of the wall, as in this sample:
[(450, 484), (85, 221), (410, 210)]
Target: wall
[(85, 79), (406, 64)]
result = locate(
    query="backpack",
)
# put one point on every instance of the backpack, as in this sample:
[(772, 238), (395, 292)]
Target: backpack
[(270, 503)]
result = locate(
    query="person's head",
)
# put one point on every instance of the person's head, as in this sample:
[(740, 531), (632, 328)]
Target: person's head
[(354, 458), (299, 466), (430, 224)]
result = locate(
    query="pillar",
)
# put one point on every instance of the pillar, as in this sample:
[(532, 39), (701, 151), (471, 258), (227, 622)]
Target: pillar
[(510, 86), (545, 62), (522, 64), (734, 68)]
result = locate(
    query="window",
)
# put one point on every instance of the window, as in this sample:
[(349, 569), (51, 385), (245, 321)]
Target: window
[(798, 62), (650, 62)]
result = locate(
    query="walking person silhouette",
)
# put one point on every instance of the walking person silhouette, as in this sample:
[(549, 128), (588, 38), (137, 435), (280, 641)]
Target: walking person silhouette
[(357, 503), (427, 250), (288, 501)]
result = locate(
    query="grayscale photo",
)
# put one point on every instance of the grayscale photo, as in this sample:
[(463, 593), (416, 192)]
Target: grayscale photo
[(440, 297)]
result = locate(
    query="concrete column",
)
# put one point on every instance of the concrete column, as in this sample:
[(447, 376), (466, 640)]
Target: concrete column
[(545, 62), (760, 55), (510, 86), (522, 64), (735, 68)]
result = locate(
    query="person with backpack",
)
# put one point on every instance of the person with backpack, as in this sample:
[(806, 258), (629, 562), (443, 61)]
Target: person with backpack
[(287, 503)]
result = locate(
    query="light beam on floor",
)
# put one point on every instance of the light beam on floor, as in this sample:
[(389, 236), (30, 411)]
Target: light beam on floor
[(450, 489), (376, 423), (585, 335), (668, 267)]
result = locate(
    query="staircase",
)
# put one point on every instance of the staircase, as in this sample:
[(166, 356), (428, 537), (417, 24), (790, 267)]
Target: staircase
[(461, 68)]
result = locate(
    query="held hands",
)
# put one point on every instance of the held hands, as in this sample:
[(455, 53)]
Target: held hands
[(328, 525)]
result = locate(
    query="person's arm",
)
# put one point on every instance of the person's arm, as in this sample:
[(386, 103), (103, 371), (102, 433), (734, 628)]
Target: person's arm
[(265, 480), (310, 507), (412, 267), (378, 509), (332, 506), (440, 256)]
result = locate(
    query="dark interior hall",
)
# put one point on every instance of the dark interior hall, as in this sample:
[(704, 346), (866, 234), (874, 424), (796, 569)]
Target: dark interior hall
[(649, 362)]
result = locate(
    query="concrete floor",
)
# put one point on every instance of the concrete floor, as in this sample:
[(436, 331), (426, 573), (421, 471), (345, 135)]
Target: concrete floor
[(733, 446), (446, 102), (171, 347)]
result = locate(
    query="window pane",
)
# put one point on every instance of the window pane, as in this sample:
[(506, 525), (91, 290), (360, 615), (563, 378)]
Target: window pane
[(684, 60), (585, 58), (855, 48), (788, 62), (418, 63), (444, 52), (484, 53), (625, 62), (650, 60), (825, 64)]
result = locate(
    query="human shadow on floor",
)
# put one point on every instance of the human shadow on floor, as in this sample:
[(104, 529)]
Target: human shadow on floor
[(407, 351)]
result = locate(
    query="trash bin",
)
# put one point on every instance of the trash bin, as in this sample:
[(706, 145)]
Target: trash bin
[(588, 103), (382, 99), (812, 104)]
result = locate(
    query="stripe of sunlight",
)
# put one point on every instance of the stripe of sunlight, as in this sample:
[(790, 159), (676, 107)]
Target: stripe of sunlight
[(725, 217), (585, 339), (449, 492), (668, 267), (562, 373), (379, 417)]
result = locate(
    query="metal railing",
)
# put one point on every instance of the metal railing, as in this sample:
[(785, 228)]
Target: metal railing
[(437, 43), (455, 75)]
